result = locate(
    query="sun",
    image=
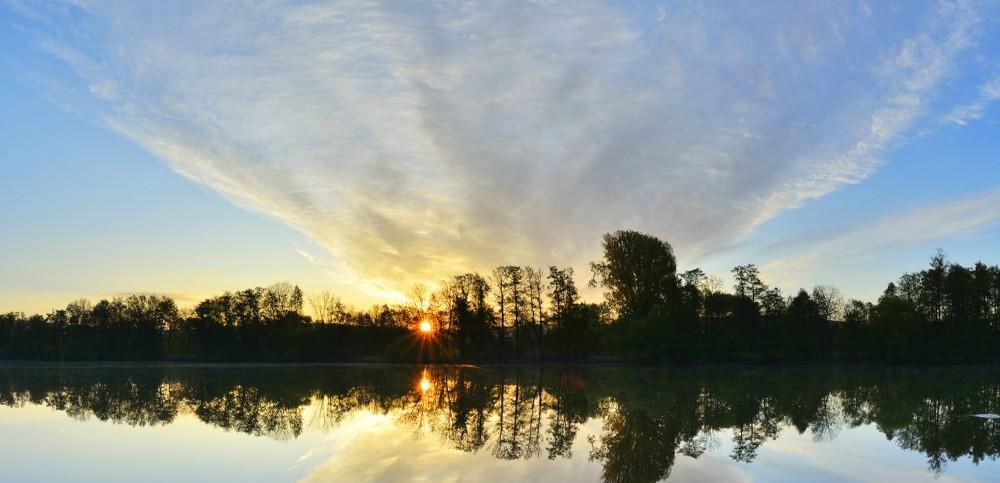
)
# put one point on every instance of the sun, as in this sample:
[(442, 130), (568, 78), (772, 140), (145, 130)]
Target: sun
[(425, 327)]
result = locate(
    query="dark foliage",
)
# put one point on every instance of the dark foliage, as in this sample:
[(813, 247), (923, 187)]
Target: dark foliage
[(946, 313)]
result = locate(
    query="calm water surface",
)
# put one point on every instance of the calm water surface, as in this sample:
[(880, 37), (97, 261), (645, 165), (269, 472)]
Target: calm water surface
[(411, 423)]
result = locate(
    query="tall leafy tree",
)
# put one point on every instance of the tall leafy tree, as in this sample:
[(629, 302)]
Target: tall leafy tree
[(563, 298), (748, 282), (638, 272)]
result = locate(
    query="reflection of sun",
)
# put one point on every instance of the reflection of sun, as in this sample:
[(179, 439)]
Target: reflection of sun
[(425, 327), (425, 381)]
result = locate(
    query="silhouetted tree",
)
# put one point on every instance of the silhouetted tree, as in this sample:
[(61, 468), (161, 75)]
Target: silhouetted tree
[(637, 272), (829, 302), (748, 282), (563, 296)]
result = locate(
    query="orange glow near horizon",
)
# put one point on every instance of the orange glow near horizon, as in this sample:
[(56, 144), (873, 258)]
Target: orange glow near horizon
[(426, 327)]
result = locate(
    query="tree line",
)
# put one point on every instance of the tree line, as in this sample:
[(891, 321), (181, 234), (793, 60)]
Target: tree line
[(651, 313), (651, 416)]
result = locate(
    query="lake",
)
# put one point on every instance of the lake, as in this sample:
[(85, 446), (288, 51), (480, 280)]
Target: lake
[(388, 423)]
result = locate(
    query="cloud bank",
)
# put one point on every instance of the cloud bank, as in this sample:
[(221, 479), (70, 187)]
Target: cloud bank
[(418, 139)]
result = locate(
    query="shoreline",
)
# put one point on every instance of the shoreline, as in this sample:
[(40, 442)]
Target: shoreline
[(490, 365)]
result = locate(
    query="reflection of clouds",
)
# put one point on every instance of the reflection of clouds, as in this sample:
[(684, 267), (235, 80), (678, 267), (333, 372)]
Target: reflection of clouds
[(709, 467), (372, 448), (418, 141), (847, 458), (360, 430)]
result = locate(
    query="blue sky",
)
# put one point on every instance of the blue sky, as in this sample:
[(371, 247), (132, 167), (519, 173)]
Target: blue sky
[(362, 147)]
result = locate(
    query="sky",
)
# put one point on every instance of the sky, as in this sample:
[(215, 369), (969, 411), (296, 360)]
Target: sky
[(188, 148)]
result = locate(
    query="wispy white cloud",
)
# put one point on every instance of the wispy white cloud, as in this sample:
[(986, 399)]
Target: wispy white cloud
[(989, 92), (891, 232), (414, 140)]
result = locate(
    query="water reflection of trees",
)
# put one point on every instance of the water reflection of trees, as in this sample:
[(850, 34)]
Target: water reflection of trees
[(648, 416)]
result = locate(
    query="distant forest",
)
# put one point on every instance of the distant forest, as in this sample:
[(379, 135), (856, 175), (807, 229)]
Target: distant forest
[(650, 314)]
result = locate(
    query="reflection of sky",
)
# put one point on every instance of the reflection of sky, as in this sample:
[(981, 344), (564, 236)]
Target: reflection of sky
[(41, 444), (46, 445), (858, 454), (373, 449)]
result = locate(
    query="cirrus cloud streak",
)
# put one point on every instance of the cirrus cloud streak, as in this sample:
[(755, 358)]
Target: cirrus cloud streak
[(414, 140)]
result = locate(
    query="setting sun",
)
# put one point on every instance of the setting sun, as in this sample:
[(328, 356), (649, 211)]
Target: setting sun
[(425, 327)]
